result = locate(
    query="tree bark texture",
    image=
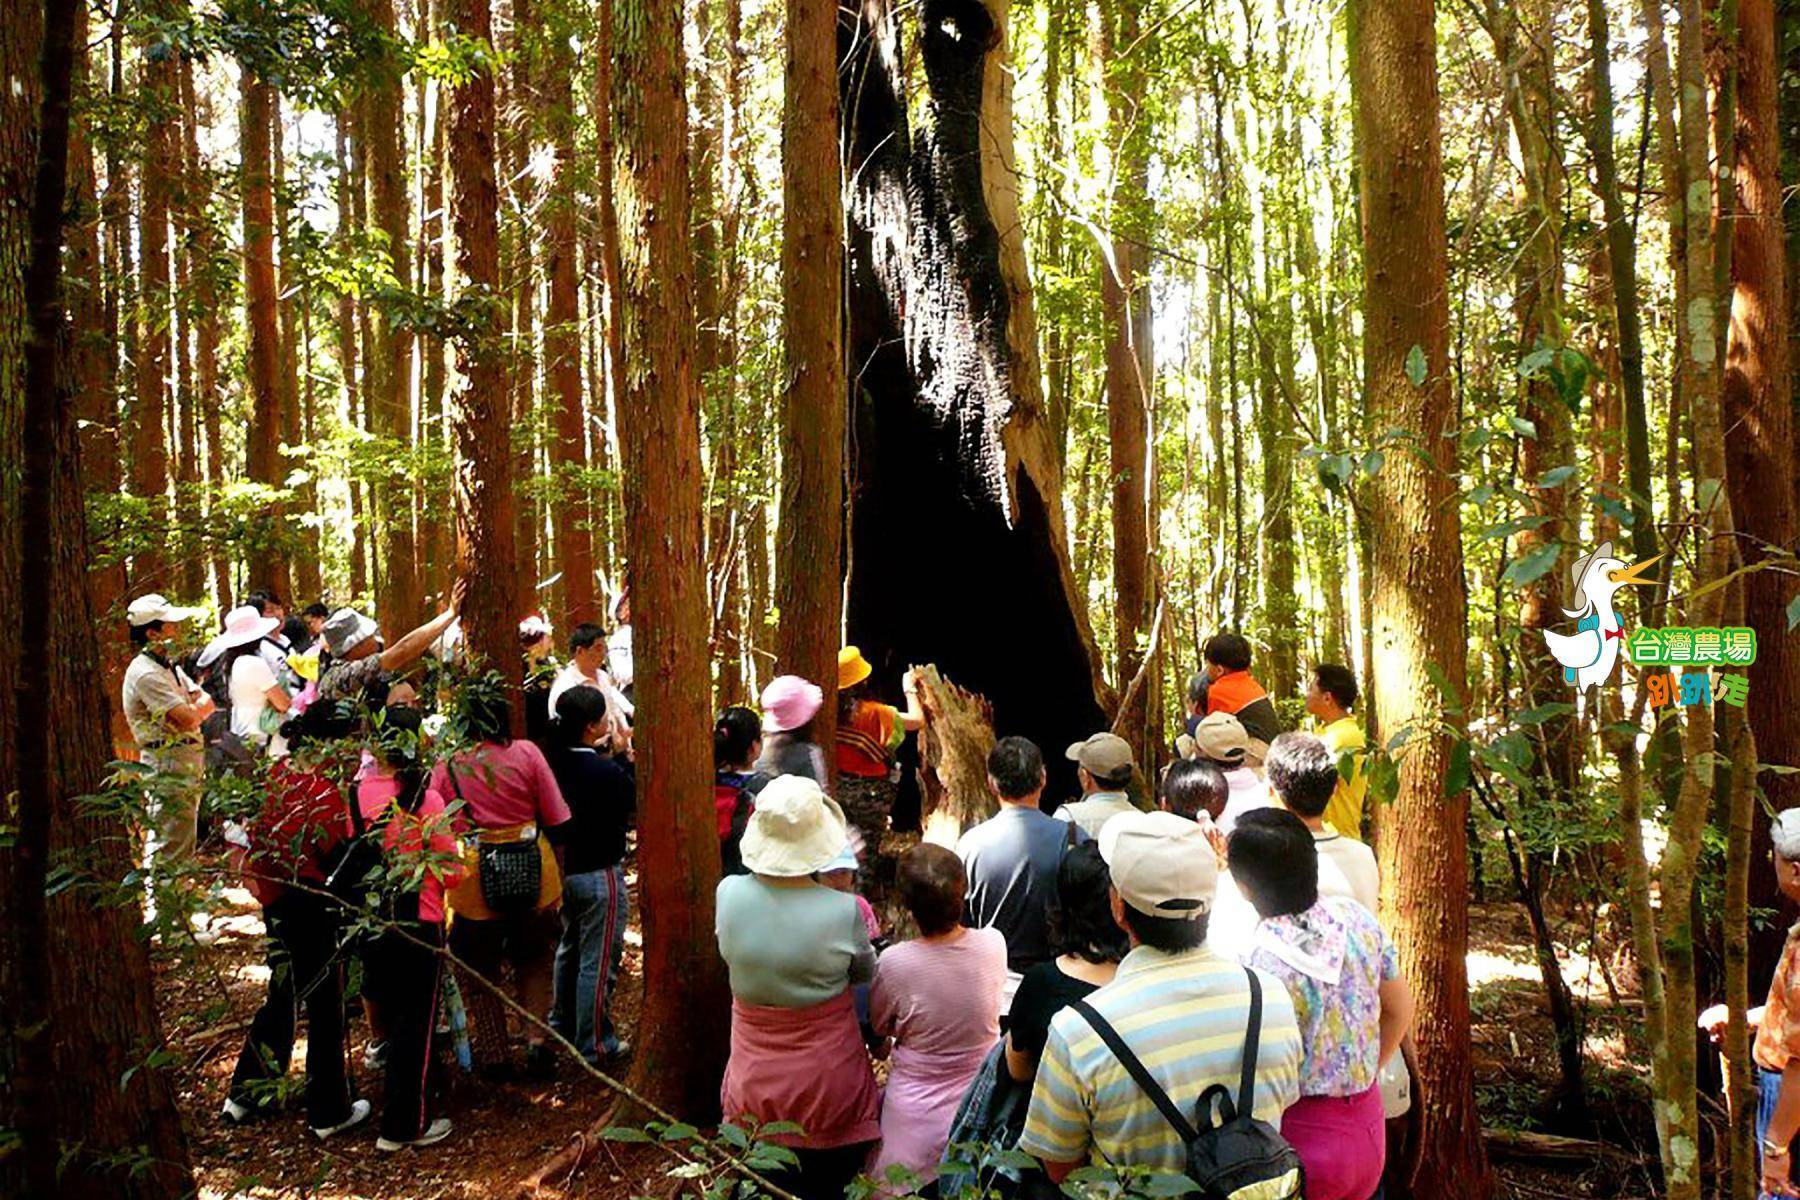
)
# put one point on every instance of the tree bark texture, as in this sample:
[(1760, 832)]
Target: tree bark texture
[(263, 451), (1759, 419), (388, 392), (480, 416), (79, 1010), (1125, 303), (810, 548), (683, 1038), (951, 435), (562, 345), (149, 450), (1419, 614)]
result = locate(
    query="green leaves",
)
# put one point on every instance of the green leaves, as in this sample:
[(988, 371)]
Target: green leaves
[(1793, 613), (1555, 477), (1457, 774), (1533, 566), (1415, 365)]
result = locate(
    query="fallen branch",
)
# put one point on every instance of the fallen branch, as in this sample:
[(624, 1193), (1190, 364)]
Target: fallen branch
[(1518, 1145)]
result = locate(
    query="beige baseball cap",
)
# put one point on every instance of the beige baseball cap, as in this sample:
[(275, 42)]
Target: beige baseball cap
[(1161, 863), (1104, 754), (1222, 738)]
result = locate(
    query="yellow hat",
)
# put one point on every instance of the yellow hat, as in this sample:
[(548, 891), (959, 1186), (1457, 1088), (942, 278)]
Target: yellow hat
[(853, 668)]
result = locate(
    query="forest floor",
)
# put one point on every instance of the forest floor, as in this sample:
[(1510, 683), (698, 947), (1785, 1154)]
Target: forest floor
[(506, 1131)]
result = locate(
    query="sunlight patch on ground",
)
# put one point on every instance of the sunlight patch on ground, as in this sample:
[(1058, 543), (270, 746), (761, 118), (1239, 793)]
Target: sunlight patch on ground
[(1580, 972), (257, 973)]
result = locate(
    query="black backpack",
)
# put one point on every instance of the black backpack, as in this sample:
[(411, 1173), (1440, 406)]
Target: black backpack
[(1239, 1157)]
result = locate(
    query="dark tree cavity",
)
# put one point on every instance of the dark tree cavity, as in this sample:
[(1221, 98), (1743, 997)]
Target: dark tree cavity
[(958, 553)]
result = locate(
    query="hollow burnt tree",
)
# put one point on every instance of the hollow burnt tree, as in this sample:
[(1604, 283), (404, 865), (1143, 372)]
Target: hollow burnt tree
[(959, 554)]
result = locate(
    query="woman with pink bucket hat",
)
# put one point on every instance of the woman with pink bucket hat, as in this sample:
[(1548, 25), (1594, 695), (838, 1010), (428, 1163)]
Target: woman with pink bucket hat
[(790, 705)]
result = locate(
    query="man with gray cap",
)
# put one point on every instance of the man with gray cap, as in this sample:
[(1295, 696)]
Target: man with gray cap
[(358, 658), (1104, 764), (1776, 1028), (1182, 1010)]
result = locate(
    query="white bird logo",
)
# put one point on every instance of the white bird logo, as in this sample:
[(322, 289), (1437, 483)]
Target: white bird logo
[(1589, 654)]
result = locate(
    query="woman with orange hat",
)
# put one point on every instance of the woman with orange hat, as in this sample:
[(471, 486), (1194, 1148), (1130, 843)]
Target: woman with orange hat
[(868, 735)]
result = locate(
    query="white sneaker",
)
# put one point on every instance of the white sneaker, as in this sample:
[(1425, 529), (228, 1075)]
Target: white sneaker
[(236, 1113), (359, 1112), (434, 1133)]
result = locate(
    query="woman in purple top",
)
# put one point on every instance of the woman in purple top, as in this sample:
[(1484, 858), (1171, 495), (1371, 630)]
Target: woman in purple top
[(938, 998), (1349, 999)]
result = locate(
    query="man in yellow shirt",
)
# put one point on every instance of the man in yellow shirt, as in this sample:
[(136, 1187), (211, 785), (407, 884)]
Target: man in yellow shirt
[(1329, 698)]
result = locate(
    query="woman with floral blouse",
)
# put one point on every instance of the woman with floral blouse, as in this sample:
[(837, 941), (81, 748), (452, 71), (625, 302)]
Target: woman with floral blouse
[(1351, 1003)]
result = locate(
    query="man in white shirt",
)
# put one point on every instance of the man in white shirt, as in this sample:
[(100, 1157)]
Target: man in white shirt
[(1104, 764), (588, 653), (1303, 774)]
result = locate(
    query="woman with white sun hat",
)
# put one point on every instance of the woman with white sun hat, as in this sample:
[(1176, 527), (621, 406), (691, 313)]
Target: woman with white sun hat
[(794, 949), (259, 702)]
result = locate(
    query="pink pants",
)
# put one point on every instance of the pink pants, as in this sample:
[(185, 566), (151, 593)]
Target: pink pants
[(1342, 1141)]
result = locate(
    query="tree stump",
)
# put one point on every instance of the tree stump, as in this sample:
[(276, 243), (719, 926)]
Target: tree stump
[(953, 750)]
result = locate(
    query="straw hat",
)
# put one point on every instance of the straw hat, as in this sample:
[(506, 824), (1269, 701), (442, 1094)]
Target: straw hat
[(796, 829), (853, 668), (242, 626)]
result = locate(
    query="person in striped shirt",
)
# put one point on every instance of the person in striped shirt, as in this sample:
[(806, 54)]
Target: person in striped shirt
[(1181, 1009)]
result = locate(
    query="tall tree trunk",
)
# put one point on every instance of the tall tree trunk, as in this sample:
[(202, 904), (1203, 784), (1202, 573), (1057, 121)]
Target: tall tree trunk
[(562, 343), (1759, 411), (434, 554), (388, 396), (93, 375), (809, 563), (484, 484), (729, 640), (190, 571), (682, 1041), (1124, 301), (304, 555), (944, 343), (1699, 372), (1420, 610), (151, 569), (204, 275), (518, 283), (267, 558), (349, 356), (77, 1011), (1524, 42)]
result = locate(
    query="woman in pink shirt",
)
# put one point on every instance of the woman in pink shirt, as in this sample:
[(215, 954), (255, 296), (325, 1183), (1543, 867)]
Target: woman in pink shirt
[(938, 998), (502, 792), (404, 965)]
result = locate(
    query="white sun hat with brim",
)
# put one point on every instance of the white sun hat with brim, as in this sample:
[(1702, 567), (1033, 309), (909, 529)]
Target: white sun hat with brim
[(796, 829), (242, 626), (156, 607)]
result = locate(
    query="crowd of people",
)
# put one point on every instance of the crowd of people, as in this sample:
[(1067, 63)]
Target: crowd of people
[(1092, 978)]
